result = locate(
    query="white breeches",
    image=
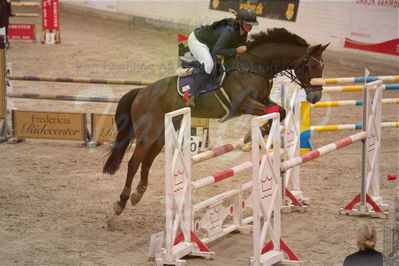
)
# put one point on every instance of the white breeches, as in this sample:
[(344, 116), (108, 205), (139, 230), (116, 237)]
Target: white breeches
[(201, 52)]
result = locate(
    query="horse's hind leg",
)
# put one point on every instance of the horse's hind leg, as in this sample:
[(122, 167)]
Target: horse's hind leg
[(138, 156), (148, 130), (145, 169), (154, 150)]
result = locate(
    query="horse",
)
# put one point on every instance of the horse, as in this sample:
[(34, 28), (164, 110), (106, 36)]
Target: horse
[(5, 13), (140, 112)]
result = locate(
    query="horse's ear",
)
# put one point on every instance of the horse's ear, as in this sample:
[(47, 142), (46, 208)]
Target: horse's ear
[(314, 49), (323, 47), (317, 49)]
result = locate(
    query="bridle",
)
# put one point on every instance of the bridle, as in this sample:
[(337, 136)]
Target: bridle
[(302, 67), (289, 73)]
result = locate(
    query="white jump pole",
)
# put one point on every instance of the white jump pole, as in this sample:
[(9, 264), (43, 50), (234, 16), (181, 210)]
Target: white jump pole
[(371, 138), (370, 158), (178, 193), (350, 80), (293, 196), (267, 196)]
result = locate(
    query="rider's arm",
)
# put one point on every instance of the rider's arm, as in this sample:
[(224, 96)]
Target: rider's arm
[(225, 37)]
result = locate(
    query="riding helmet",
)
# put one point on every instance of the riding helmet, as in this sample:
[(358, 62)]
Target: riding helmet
[(247, 16)]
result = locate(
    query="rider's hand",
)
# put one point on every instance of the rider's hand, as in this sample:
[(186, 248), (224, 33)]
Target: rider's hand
[(241, 49)]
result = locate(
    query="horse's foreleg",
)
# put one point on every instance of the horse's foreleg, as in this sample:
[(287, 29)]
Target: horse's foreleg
[(145, 170), (253, 107)]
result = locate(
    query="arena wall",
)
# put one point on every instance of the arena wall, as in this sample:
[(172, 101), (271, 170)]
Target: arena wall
[(317, 21)]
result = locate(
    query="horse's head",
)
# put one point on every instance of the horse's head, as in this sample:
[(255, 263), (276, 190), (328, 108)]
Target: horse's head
[(282, 51), (311, 66)]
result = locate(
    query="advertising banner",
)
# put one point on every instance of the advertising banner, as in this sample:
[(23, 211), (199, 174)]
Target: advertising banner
[(21, 31), (49, 125), (273, 9), (50, 15), (374, 26), (103, 127)]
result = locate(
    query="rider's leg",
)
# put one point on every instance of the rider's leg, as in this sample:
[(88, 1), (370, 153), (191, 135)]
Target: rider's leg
[(201, 78), (201, 52)]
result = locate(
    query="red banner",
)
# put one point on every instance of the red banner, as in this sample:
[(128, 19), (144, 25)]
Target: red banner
[(21, 31), (388, 47), (374, 26), (50, 15)]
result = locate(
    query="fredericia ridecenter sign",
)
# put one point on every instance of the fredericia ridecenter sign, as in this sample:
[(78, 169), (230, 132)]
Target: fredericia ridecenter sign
[(103, 127), (46, 125)]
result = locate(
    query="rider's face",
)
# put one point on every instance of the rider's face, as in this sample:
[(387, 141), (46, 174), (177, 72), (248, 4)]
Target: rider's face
[(247, 27)]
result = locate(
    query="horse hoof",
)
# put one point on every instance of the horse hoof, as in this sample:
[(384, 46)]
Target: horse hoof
[(135, 198), (118, 209), (247, 139)]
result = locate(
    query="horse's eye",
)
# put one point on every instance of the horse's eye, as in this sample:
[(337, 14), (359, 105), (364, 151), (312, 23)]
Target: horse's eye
[(316, 66)]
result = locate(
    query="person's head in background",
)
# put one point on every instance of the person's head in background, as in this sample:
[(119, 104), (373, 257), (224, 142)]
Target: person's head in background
[(366, 237)]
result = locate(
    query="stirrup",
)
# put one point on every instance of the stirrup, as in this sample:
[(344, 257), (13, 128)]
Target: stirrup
[(191, 102)]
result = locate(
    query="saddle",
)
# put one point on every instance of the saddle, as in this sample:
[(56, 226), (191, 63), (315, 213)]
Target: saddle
[(191, 67)]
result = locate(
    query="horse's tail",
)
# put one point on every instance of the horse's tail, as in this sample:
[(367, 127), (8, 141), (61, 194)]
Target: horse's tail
[(125, 134)]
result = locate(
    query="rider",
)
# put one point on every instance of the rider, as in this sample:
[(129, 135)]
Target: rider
[(226, 37)]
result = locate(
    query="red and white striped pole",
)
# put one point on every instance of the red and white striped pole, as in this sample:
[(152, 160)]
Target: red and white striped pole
[(206, 155), (221, 175), (214, 178), (323, 150)]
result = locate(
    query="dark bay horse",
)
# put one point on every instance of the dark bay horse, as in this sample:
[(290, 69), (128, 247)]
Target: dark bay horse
[(140, 113)]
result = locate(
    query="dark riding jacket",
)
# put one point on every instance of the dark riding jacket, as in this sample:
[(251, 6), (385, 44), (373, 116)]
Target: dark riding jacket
[(367, 257), (222, 37)]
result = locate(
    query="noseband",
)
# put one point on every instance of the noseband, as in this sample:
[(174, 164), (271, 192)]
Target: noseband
[(302, 66)]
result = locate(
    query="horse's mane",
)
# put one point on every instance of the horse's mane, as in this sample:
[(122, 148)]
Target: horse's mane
[(279, 35)]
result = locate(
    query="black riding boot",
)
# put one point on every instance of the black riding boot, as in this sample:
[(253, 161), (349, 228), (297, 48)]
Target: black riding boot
[(201, 78)]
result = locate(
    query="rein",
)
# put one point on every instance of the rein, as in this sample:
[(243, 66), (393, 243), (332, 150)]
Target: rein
[(289, 73), (245, 68)]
